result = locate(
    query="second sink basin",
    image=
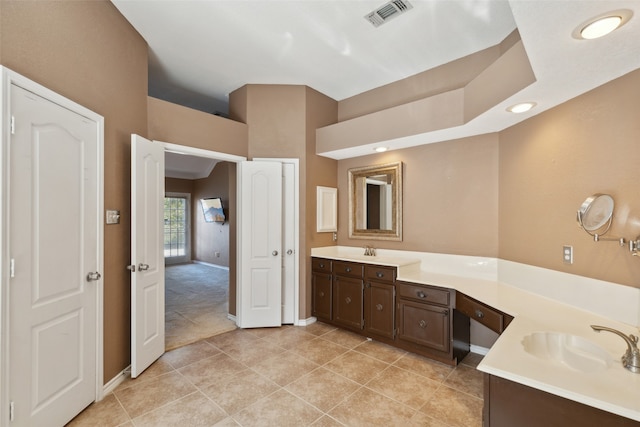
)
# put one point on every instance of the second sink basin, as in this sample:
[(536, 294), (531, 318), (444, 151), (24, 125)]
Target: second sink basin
[(570, 350)]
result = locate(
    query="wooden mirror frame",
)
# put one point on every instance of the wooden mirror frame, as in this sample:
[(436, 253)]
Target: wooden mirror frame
[(395, 171)]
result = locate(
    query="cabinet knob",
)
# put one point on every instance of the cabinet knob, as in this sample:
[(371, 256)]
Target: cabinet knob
[(380, 275), (379, 307), (321, 265), (479, 314), (348, 269), (347, 300), (422, 324), (421, 294), (321, 293)]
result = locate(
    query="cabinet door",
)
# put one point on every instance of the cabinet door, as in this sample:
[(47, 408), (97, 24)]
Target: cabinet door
[(424, 324), (347, 302), (379, 309), (322, 295)]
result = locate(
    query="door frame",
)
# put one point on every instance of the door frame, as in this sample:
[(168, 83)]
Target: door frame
[(7, 78)]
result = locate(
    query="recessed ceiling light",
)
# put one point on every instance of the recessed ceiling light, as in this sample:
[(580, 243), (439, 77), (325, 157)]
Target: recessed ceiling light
[(380, 149), (602, 25), (523, 107)]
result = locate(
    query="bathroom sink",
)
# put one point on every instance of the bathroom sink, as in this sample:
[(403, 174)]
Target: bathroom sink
[(570, 350)]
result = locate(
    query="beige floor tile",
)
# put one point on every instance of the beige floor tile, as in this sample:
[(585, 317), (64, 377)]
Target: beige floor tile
[(255, 352), (357, 366), (284, 368), (227, 422), (327, 421), (380, 351), (289, 337), (212, 369), (472, 359), (240, 391), (107, 412), (367, 408), (194, 410), (319, 328), (157, 368), (236, 338), (323, 388), (280, 409), (149, 395), (183, 356), (467, 380), (423, 366), (401, 385), (423, 420), (127, 424), (454, 408), (344, 338), (319, 351)]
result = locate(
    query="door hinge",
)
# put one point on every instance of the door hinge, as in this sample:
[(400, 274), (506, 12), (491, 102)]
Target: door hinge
[(11, 411), (13, 125), (12, 268)]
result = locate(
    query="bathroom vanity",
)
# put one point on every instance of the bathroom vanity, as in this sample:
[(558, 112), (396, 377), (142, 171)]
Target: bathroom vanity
[(423, 302)]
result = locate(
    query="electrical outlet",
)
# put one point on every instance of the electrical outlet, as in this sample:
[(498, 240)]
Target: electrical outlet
[(217, 254), (567, 254)]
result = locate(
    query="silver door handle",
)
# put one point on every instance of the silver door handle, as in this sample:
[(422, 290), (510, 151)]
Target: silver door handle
[(93, 276), (290, 251), (274, 253), (143, 267)]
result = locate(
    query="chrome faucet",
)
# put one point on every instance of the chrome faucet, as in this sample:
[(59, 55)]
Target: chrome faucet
[(369, 251), (631, 358)]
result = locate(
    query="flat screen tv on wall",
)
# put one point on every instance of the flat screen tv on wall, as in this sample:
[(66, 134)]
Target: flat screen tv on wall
[(212, 209)]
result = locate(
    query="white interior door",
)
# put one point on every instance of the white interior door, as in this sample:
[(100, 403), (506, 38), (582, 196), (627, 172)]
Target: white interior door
[(147, 257), (54, 239), (260, 244)]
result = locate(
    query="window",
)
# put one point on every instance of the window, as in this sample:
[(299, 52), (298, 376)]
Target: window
[(176, 227)]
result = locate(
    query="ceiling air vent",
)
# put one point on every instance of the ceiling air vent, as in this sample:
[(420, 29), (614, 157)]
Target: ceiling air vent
[(388, 11)]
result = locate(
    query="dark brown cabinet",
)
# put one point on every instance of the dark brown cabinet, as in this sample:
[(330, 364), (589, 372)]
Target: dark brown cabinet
[(368, 299), (348, 286), (493, 319), (322, 289), (379, 301), (508, 404), (424, 324)]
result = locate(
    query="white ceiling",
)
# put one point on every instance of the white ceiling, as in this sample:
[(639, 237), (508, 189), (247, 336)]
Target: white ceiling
[(200, 51)]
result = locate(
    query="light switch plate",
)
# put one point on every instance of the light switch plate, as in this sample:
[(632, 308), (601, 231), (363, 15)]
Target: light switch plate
[(112, 217)]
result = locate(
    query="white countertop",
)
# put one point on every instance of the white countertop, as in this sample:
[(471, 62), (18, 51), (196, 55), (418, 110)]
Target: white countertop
[(614, 389)]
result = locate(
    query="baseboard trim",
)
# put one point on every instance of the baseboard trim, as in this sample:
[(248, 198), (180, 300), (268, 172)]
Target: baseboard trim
[(306, 322), (232, 317), (479, 350), (221, 267), (116, 381)]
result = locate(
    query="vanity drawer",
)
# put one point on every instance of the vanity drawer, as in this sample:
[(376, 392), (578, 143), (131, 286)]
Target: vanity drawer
[(349, 269), (321, 265), (482, 313), (380, 274), (423, 293)]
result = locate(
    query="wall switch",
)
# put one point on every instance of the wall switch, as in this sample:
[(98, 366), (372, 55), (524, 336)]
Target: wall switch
[(112, 217), (567, 254), (216, 254)]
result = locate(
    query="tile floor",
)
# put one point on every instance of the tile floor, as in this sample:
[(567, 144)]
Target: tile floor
[(293, 376)]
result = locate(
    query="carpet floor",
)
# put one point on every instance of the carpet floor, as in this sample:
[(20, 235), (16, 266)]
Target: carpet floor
[(196, 303)]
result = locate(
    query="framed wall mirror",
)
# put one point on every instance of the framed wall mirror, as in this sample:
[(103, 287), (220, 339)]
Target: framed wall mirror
[(375, 202)]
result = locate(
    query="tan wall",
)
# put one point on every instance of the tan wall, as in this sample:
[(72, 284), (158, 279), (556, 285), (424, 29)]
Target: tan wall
[(184, 126), (450, 197), (549, 164), (86, 51), (282, 120), (211, 237)]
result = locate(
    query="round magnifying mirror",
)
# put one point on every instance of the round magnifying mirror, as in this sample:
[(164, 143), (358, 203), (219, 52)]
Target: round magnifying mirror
[(595, 212)]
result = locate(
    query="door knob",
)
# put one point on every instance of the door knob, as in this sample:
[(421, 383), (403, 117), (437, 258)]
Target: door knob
[(290, 251), (274, 253), (143, 267), (93, 276)]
